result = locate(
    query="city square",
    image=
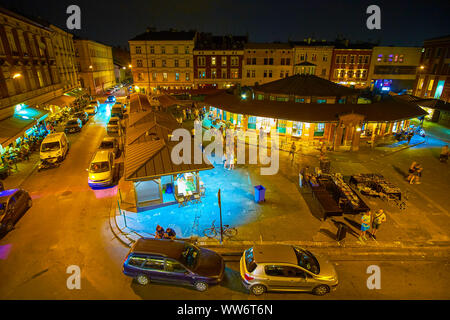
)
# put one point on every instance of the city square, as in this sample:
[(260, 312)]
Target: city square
[(263, 170)]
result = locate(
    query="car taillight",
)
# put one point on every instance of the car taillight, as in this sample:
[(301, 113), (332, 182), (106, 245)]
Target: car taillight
[(247, 277)]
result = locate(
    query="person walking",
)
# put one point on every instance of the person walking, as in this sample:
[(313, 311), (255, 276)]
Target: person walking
[(417, 173), (378, 219), (365, 225), (443, 157), (411, 170), (292, 151), (410, 135), (232, 160)]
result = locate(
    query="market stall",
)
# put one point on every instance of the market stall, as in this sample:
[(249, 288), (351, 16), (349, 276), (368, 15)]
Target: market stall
[(373, 184)]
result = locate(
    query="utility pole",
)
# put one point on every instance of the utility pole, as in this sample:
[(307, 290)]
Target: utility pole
[(220, 210)]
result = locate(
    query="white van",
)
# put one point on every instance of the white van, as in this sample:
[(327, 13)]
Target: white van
[(101, 169), (54, 147)]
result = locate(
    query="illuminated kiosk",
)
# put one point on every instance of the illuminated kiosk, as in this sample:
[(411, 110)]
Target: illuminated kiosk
[(157, 180), (311, 109)]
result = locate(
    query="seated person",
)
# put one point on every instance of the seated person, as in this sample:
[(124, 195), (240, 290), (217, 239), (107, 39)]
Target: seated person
[(170, 234), (159, 234)]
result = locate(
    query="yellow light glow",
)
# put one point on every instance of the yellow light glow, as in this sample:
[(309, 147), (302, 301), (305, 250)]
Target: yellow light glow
[(16, 75), (422, 67), (90, 67), (129, 66)]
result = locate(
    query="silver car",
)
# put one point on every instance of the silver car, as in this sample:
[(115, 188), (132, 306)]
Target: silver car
[(286, 268)]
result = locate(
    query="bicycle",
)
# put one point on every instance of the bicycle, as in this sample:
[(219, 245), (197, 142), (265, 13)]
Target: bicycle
[(213, 232)]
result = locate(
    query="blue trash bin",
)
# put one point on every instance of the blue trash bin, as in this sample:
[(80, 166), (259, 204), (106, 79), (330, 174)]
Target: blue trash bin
[(260, 193)]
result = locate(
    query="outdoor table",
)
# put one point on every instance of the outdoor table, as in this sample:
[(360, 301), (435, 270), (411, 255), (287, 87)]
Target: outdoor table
[(327, 203)]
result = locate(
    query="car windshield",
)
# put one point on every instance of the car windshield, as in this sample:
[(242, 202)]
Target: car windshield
[(189, 256), (50, 146), (307, 260), (98, 167), (107, 145)]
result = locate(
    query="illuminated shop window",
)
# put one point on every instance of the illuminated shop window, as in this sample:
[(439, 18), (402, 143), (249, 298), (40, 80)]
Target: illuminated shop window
[(319, 129)]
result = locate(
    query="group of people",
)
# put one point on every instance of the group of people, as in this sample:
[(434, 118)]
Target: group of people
[(415, 172), (169, 233), (367, 221)]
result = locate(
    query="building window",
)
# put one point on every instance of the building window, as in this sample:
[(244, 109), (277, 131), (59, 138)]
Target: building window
[(253, 60), (271, 61), (187, 76), (344, 59), (325, 58), (324, 72), (139, 63), (352, 59), (358, 73), (270, 73), (400, 58), (438, 52), (164, 76), (363, 74), (338, 59), (224, 73), (253, 73), (140, 76), (213, 73), (260, 97), (249, 61), (201, 73), (186, 50), (176, 62), (138, 50), (164, 63), (299, 100), (297, 128), (319, 129), (265, 73), (234, 73), (281, 74), (152, 49), (201, 61), (314, 57), (360, 59), (391, 57), (175, 50), (177, 76), (321, 100), (163, 49), (380, 57), (282, 63), (234, 61), (302, 57), (350, 73), (154, 76), (266, 60), (12, 43), (153, 64), (224, 61), (213, 61), (248, 73)]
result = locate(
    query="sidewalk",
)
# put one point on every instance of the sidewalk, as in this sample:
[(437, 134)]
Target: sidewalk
[(24, 170)]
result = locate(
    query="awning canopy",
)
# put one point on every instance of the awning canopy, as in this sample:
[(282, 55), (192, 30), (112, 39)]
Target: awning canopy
[(15, 126), (62, 101), (388, 109)]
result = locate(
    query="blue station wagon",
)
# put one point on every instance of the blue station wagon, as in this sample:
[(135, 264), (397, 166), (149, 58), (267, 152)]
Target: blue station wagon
[(173, 261)]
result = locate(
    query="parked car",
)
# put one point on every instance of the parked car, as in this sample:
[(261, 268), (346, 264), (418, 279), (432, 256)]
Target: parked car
[(54, 147), (73, 125), (286, 268), (13, 204), (83, 116), (91, 109), (117, 111), (110, 144), (174, 261), (110, 99), (101, 169), (114, 125)]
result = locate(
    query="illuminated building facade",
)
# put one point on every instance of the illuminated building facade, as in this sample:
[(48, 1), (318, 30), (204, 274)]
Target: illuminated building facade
[(313, 57)]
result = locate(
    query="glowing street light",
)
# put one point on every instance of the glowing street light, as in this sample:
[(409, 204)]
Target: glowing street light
[(129, 66), (16, 75), (422, 67)]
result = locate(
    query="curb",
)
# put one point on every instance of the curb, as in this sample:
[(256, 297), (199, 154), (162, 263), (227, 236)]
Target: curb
[(387, 153)]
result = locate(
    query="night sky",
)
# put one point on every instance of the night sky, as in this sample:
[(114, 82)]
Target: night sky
[(403, 22)]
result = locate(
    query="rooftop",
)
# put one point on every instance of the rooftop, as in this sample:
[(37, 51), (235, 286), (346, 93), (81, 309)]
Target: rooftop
[(305, 85), (206, 41), (267, 45), (165, 36)]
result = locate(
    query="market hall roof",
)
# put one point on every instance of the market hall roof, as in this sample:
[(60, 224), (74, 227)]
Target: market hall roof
[(305, 85), (388, 109), (426, 103), (152, 159)]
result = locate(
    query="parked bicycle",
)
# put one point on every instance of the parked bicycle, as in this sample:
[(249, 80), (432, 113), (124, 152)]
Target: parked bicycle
[(214, 231)]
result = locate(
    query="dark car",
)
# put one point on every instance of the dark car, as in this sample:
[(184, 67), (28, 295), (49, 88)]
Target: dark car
[(83, 116), (173, 261), (73, 125), (110, 144), (13, 204)]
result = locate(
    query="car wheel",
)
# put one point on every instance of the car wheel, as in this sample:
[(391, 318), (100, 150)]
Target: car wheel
[(258, 289), (142, 280), (201, 286), (321, 290)]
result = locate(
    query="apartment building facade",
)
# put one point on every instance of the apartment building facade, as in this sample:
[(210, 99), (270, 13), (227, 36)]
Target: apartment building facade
[(218, 61), (350, 65), (313, 57), (394, 68), (64, 48), (267, 62), (28, 65), (433, 78), (94, 65), (163, 60)]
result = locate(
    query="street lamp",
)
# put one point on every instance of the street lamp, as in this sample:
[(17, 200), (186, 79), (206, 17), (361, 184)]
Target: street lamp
[(16, 75)]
